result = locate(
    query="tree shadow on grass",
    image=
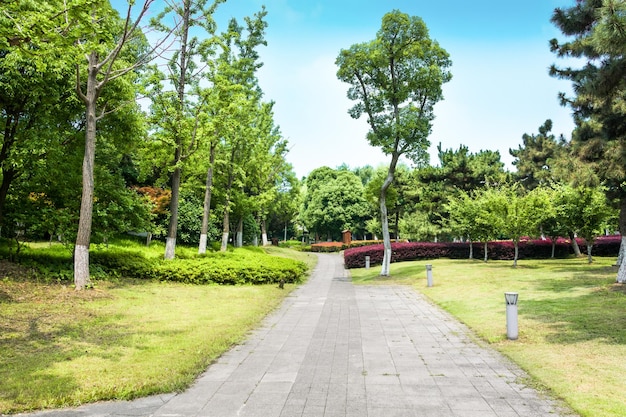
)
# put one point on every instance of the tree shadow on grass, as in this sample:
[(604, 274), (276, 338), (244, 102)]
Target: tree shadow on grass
[(30, 349), (599, 315)]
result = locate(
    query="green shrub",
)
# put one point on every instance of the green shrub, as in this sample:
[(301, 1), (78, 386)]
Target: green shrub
[(232, 270), (126, 258), (132, 264)]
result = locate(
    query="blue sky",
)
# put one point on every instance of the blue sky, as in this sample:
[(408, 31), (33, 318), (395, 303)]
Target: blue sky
[(500, 87)]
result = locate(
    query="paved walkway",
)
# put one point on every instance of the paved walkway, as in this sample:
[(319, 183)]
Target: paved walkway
[(334, 349)]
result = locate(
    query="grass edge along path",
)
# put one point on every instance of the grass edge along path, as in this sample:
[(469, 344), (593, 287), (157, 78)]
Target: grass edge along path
[(572, 320), (121, 340)]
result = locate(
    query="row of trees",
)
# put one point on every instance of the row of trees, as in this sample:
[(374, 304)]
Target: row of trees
[(467, 196), (396, 79), (204, 155), (82, 159)]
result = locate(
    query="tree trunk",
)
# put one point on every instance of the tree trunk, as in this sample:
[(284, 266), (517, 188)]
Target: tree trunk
[(471, 249), (574, 244), (264, 241), (553, 248), (589, 257), (239, 243), (170, 241), (621, 273), (10, 131), (383, 214), (486, 253), (83, 237), (225, 229), (226, 220), (620, 254), (8, 175), (207, 201), (516, 246), (397, 226)]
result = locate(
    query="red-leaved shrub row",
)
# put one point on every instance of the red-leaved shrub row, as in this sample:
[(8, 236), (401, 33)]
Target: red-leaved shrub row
[(501, 250)]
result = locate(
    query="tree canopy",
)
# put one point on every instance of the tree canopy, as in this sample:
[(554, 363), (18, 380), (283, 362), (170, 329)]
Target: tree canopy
[(396, 81)]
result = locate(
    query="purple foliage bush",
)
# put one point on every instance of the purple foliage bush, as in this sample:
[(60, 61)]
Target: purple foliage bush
[(498, 250)]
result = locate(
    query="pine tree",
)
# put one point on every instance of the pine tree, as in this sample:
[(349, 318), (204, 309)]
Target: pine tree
[(596, 29)]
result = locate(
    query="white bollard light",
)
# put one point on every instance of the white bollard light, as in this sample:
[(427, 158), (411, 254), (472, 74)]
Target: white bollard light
[(367, 262), (511, 315), (429, 275)]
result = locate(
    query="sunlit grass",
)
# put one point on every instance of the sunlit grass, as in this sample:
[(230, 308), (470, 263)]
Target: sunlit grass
[(121, 340), (572, 319)]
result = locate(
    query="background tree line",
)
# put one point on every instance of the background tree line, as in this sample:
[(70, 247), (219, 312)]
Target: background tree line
[(204, 161)]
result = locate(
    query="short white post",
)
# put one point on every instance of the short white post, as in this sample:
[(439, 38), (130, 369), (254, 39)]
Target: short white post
[(511, 315), (429, 275), (367, 262)]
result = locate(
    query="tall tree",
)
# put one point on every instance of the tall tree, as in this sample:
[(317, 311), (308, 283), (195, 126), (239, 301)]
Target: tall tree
[(396, 80), (93, 30), (103, 40), (233, 83), (179, 125), (595, 29)]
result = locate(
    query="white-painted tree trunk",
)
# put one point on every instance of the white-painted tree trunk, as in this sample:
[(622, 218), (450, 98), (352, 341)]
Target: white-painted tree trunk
[(384, 220), (264, 240), (621, 273), (589, 257), (202, 244), (83, 236), (170, 247), (81, 264), (471, 250), (207, 200), (224, 241)]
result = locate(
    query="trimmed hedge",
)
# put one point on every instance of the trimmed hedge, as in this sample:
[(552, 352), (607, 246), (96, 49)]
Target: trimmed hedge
[(232, 268), (263, 270), (497, 250), (243, 266)]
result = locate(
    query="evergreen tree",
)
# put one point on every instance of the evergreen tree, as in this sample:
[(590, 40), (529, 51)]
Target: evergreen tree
[(596, 31)]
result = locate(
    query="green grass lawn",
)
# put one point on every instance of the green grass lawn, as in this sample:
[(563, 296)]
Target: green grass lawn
[(120, 340), (572, 320)]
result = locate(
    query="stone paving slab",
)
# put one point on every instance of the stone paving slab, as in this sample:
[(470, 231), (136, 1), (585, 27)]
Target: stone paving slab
[(334, 349)]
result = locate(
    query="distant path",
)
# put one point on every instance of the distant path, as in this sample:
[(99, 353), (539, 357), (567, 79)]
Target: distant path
[(334, 349)]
